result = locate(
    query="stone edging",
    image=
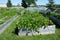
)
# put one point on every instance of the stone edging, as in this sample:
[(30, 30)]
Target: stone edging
[(42, 31)]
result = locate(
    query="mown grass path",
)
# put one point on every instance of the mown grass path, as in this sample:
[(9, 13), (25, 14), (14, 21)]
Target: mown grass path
[(6, 24)]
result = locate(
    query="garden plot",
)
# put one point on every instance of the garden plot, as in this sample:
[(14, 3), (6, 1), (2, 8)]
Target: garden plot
[(30, 22), (6, 14)]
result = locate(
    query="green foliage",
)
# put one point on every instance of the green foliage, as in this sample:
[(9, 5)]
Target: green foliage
[(1, 21), (29, 2), (32, 20), (24, 4), (7, 14), (9, 35), (55, 15), (9, 4), (50, 5), (57, 5)]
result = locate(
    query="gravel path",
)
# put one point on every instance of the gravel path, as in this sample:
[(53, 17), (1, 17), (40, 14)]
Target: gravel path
[(6, 24)]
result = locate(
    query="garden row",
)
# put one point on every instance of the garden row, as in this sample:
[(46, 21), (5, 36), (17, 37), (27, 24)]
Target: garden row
[(6, 14), (56, 15)]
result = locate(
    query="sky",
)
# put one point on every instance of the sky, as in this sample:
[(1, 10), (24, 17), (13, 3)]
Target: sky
[(39, 2)]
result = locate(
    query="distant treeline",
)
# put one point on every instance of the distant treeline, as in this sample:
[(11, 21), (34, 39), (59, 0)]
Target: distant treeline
[(57, 6)]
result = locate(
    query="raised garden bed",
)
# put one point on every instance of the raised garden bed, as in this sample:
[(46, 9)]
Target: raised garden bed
[(31, 22)]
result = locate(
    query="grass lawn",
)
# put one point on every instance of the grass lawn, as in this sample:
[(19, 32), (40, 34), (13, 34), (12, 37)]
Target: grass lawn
[(9, 35)]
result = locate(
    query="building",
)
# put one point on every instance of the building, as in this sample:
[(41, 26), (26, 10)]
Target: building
[(3, 5)]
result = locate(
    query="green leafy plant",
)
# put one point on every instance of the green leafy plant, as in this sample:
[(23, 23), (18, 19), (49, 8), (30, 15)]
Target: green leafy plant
[(32, 20)]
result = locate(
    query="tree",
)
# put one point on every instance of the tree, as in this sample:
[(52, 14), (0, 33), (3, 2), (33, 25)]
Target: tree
[(29, 2), (18, 5), (50, 5), (9, 4), (24, 4)]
